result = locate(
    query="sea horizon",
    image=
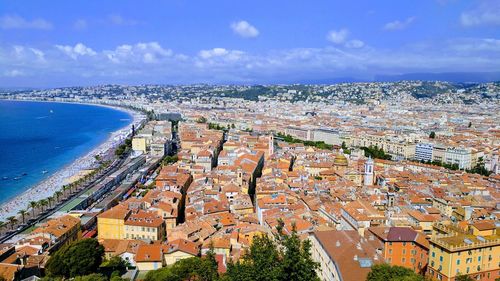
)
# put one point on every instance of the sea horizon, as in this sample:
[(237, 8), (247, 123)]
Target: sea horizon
[(40, 138)]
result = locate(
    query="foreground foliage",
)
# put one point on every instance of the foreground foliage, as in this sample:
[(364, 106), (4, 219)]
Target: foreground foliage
[(284, 258), (83, 260), (385, 272), (195, 268)]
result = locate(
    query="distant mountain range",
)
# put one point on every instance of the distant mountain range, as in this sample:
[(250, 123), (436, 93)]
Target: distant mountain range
[(455, 77), (458, 77)]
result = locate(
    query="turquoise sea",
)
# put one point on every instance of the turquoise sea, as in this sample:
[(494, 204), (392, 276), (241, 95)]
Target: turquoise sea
[(39, 138)]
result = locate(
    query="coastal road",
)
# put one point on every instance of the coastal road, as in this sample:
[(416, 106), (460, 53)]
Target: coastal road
[(44, 215)]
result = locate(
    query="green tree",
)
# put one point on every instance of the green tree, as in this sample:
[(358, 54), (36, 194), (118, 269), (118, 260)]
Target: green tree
[(297, 263), (286, 259), (33, 206), (91, 277), (170, 159), (386, 272), (76, 259), (114, 266), (207, 271), (463, 278), (23, 214), (201, 120), (12, 221), (194, 268), (432, 135)]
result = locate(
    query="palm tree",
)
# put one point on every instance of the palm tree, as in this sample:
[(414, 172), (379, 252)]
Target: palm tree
[(65, 188), (58, 194), (50, 199), (33, 206), (12, 220), (23, 214), (43, 203)]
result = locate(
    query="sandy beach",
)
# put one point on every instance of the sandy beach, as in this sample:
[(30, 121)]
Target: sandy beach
[(55, 181)]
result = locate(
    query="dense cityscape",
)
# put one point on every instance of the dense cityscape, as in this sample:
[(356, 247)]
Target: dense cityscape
[(351, 181), (223, 140)]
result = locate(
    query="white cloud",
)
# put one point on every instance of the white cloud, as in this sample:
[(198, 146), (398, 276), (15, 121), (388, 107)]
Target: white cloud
[(149, 62), (13, 73), (76, 51), (244, 29), (337, 36), (399, 25), (487, 13), (150, 52), (17, 22), (215, 52), (354, 44), (475, 45)]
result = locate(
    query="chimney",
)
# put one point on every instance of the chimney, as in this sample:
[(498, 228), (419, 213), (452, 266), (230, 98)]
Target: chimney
[(355, 257), (337, 244)]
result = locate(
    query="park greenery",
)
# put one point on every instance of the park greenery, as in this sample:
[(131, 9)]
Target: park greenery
[(124, 147), (170, 159), (375, 152), (317, 144), (216, 126), (280, 258)]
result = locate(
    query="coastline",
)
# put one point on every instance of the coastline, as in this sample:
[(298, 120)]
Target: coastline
[(48, 186)]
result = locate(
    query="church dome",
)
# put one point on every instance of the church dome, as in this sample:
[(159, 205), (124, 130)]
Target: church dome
[(340, 160)]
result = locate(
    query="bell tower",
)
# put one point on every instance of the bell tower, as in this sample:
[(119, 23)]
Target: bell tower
[(368, 178)]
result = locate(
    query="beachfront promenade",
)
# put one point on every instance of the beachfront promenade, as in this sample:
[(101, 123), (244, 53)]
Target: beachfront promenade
[(51, 195), (65, 203)]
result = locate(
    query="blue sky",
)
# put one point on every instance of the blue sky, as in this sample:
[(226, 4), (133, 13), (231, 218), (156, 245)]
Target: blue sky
[(63, 43)]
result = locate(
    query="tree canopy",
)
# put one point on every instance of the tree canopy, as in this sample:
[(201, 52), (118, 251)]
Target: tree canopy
[(76, 259), (385, 272), (195, 268), (284, 258)]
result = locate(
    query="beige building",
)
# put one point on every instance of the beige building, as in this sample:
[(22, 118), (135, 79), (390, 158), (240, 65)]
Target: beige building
[(397, 146)]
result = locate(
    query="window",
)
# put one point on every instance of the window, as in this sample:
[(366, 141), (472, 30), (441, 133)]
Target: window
[(440, 258), (458, 262), (478, 259), (390, 251), (403, 260), (404, 251), (433, 254)]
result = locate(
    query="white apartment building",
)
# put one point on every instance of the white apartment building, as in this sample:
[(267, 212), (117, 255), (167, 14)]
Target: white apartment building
[(423, 151)]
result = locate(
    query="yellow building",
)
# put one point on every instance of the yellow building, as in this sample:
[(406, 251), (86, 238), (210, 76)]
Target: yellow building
[(144, 225), (139, 144), (179, 249), (460, 253), (111, 223)]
